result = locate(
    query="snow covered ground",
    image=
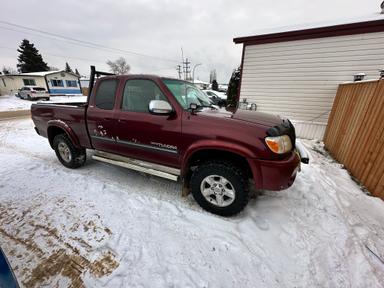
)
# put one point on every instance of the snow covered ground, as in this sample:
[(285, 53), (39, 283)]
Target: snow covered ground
[(13, 103), (104, 226)]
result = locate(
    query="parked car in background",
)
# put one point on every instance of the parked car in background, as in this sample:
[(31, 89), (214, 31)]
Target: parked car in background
[(223, 87), (217, 98), (33, 92)]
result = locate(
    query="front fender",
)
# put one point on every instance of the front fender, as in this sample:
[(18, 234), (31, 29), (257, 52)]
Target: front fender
[(66, 128), (214, 145)]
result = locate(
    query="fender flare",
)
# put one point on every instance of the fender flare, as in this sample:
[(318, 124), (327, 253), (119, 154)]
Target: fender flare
[(66, 128), (214, 145)]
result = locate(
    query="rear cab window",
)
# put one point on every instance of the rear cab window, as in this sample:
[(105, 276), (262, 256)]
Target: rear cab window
[(105, 94)]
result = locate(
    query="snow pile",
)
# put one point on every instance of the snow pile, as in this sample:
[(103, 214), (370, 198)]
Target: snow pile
[(13, 103), (119, 228), (67, 99)]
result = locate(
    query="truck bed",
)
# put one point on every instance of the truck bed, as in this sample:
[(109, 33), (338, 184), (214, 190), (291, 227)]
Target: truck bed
[(69, 113)]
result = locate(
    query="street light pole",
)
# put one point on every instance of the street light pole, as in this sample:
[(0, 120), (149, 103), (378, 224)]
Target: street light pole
[(193, 72)]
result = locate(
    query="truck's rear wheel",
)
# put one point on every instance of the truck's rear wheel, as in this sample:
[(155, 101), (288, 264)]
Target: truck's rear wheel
[(220, 188), (67, 153)]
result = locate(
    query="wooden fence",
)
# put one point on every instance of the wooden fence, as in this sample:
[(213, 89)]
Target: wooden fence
[(85, 91), (355, 132)]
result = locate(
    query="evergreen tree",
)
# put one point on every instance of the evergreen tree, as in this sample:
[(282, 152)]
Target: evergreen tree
[(233, 88), (30, 60), (77, 72), (215, 85), (212, 76), (68, 68)]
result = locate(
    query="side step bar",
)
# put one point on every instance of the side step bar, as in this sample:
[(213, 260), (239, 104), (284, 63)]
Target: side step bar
[(138, 165)]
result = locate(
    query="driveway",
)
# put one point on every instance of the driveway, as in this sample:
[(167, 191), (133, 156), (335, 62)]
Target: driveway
[(104, 226)]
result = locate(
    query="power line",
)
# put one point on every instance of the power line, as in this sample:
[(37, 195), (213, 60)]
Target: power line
[(44, 36), (83, 59), (60, 56), (95, 45)]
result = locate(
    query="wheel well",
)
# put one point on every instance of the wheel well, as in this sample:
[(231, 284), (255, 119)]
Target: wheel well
[(202, 156), (53, 131)]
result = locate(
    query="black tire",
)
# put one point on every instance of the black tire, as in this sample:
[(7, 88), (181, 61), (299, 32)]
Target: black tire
[(29, 97), (227, 170), (76, 157)]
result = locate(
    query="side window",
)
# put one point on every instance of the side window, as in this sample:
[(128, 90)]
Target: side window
[(29, 82), (138, 93), (57, 83), (71, 83), (105, 94)]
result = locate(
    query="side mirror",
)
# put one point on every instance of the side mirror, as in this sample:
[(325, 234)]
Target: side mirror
[(193, 106), (160, 107)]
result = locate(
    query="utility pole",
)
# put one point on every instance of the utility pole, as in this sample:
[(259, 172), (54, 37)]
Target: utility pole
[(178, 68), (182, 60), (193, 73), (187, 69)]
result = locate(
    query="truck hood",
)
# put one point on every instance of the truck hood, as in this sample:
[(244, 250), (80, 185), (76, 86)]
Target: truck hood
[(255, 117)]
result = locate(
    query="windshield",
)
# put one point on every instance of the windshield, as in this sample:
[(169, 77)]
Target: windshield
[(187, 93)]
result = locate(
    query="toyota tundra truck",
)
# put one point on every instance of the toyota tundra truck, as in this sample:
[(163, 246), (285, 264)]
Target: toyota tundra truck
[(169, 128)]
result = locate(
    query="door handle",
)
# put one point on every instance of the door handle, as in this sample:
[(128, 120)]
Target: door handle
[(107, 119), (122, 120)]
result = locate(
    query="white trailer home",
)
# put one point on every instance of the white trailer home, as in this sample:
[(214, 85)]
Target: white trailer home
[(56, 82), (296, 72)]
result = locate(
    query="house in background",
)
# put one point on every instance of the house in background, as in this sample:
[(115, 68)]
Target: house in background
[(201, 84), (295, 72), (56, 82)]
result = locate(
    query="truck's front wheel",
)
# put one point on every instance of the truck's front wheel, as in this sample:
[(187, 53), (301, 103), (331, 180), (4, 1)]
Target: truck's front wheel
[(67, 153), (220, 188)]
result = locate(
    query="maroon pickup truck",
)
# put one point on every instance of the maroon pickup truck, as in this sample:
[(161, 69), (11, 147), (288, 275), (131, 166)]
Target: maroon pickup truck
[(169, 128)]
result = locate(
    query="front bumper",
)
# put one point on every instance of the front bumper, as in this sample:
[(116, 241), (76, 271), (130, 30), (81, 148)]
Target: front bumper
[(276, 174)]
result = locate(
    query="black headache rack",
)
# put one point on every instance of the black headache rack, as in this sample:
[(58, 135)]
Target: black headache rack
[(95, 74)]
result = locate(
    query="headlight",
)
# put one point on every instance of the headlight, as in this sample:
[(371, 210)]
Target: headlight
[(279, 144)]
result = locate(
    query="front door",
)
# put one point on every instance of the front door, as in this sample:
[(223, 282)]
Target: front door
[(142, 135)]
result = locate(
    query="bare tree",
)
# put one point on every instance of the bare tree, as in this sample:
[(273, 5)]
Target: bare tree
[(9, 70), (53, 68), (119, 66)]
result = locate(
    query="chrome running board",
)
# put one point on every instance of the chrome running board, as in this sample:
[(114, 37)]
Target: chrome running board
[(138, 165)]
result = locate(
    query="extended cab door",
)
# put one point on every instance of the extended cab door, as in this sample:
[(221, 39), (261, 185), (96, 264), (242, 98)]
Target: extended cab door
[(141, 135), (100, 114)]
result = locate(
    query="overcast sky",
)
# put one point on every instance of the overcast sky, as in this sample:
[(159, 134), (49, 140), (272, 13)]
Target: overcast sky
[(158, 28)]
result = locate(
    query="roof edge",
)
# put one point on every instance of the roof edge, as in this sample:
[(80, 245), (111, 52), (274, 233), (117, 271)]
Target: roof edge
[(36, 74), (311, 33)]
